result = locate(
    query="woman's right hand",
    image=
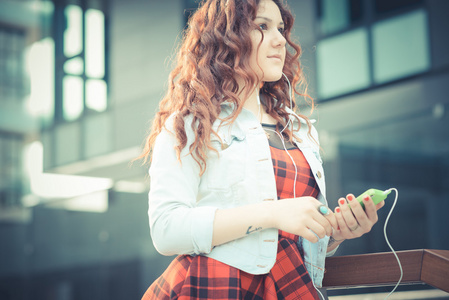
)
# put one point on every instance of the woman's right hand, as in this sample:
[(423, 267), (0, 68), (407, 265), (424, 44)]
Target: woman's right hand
[(300, 216)]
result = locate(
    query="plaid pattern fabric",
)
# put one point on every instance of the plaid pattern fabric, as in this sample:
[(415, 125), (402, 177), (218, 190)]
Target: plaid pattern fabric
[(201, 277), (284, 172), (288, 279), (197, 277)]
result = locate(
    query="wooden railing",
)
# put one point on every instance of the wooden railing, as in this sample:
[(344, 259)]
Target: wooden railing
[(377, 269)]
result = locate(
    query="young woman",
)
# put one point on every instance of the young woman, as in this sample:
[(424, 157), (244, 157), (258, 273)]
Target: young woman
[(237, 186)]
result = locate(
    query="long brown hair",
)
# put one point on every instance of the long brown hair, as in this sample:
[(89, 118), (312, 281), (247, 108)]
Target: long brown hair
[(215, 51)]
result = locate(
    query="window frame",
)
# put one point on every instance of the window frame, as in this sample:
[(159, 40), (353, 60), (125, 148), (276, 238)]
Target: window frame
[(368, 18), (60, 23), (8, 89)]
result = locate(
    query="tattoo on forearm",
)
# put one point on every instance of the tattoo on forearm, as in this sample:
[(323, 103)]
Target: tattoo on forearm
[(254, 230), (333, 241)]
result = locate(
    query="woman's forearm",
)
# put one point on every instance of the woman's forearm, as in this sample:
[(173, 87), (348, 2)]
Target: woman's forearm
[(295, 215), (333, 243), (234, 223)]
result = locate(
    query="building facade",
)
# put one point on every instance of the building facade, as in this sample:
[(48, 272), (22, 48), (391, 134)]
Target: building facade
[(80, 81)]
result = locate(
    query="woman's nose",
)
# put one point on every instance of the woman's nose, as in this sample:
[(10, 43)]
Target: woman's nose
[(279, 39)]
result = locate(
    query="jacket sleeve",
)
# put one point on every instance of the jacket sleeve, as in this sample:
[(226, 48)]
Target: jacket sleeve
[(177, 224), (314, 134), (331, 253)]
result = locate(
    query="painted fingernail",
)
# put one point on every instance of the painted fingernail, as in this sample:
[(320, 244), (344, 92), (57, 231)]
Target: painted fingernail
[(366, 198), (337, 209), (341, 201), (350, 198)]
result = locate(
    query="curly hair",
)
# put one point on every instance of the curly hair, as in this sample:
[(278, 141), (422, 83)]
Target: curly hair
[(215, 50)]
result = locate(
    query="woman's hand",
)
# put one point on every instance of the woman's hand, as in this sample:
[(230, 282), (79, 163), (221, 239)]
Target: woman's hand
[(353, 222), (300, 216)]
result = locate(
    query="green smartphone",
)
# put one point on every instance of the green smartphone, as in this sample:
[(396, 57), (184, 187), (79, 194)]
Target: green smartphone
[(377, 196)]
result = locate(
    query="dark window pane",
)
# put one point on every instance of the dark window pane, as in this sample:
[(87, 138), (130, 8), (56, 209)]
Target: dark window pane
[(336, 15), (382, 6), (12, 41), (356, 8)]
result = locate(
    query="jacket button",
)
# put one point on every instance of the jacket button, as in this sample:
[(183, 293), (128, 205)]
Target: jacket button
[(260, 266), (318, 174)]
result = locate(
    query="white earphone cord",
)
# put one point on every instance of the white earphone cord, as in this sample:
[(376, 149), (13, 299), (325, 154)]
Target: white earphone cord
[(389, 245), (291, 107), (388, 242), (294, 193), (386, 220), (294, 196), (291, 104), (291, 100), (293, 161)]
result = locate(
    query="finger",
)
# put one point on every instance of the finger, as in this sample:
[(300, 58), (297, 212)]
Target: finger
[(318, 228), (354, 205), (343, 227), (324, 223), (359, 213), (380, 205), (332, 220), (326, 220), (348, 217), (329, 215), (330, 224), (310, 236), (370, 209)]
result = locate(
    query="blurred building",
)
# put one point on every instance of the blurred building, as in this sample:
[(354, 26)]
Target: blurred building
[(80, 81)]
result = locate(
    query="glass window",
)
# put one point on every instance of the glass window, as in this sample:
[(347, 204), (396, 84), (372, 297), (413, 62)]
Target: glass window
[(95, 43), (96, 94), (336, 15), (12, 43), (400, 46), (82, 58), (74, 66), (40, 63), (73, 37), (383, 6), (343, 63), (72, 97)]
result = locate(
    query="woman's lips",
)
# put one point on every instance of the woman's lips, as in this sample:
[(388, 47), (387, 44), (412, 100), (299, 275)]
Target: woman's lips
[(278, 57)]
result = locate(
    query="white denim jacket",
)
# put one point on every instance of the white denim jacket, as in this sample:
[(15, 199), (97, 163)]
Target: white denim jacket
[(182, 204)]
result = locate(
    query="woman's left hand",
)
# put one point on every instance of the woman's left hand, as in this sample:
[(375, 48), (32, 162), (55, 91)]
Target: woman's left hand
[(353, 222)]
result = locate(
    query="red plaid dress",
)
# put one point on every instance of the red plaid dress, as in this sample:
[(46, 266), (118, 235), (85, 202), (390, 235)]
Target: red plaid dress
[(201, 277)]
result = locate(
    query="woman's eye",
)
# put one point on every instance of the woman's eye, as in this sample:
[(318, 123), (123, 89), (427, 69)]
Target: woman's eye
[(282, 30), (263, 26)]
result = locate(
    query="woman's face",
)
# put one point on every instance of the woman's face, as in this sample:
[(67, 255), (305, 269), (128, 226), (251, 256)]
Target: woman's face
[(267, 61)]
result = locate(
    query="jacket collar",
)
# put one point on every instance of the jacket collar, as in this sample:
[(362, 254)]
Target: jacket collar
[(246, 120)]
